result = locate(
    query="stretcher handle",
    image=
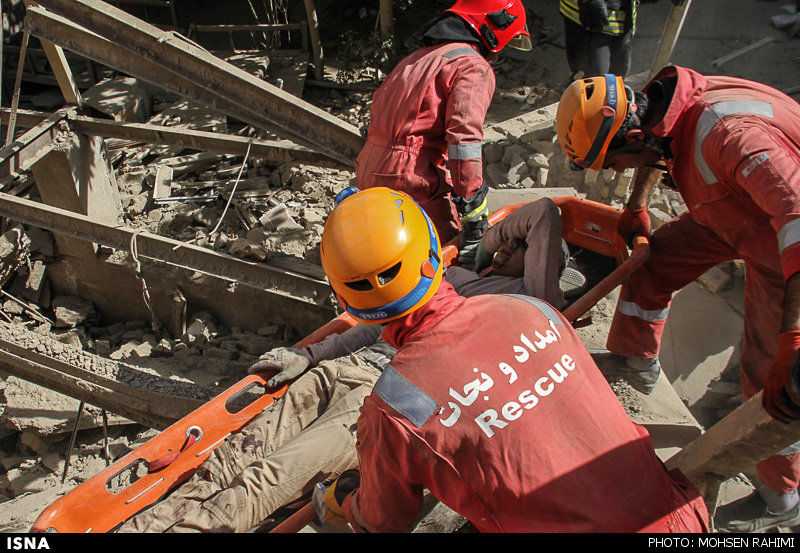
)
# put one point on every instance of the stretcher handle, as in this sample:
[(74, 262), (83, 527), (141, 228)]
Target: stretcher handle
[(639, 255), (302, 517)]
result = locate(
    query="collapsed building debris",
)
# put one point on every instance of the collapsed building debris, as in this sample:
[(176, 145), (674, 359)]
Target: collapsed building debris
[(244, 211)]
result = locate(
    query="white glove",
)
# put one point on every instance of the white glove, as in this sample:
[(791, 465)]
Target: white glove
[(290, 363)]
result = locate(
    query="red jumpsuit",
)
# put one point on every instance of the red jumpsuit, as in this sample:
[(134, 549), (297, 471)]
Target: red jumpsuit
[(426, 117), (495, 406), (736, 163)]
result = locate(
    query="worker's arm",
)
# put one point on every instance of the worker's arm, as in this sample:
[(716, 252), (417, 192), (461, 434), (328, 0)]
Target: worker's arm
[(472, 87), (350, 341), (387, 500), (471, 90), (634, 219), (781, 394), (292, 362), (644, 183)]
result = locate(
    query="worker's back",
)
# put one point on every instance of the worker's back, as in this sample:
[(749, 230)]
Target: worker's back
[(413, 100), (523, 433)]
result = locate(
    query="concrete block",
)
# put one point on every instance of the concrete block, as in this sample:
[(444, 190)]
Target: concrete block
[(499, 198), (512, 152), (495, 174), (492, 152), (538, 160), (657, 217), (542, 174), (121, 98), (517, 172), (701, 339), (715, 278)]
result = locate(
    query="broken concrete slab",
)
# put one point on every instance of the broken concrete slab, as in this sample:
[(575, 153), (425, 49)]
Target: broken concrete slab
[(701, 342), (498, 198), (122, 98)]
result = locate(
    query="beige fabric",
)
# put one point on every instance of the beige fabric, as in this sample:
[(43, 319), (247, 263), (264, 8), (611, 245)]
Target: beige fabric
[(306, 437)]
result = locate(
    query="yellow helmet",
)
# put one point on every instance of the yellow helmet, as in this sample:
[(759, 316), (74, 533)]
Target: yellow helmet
[(590, 112), (381, 254)]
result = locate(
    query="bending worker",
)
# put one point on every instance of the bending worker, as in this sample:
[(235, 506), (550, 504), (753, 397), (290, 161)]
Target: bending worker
[(426, 121), (509, 423), (731, 148), (308, 435)]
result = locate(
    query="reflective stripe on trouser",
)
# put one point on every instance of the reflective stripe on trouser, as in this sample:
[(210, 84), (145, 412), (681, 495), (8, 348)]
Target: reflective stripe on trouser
[(680, 251), (308, 436)]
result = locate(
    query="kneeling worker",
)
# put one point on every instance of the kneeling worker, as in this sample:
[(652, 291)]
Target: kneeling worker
[(492, 402)]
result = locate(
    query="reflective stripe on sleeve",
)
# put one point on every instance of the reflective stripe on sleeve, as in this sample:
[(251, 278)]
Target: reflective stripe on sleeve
[(466, 150), (789, 235), (634, 310), (404, 397), (713, 115)]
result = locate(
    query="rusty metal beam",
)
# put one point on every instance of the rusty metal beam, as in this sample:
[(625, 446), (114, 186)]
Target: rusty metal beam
[(21, 154), (261, 276), (238, 88), (274, 150), (89, 45)]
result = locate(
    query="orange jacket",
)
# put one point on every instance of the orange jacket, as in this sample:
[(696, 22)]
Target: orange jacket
[(494, 405)]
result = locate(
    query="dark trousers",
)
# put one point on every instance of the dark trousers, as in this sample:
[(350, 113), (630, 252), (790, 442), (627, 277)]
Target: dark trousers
[(594, 54)]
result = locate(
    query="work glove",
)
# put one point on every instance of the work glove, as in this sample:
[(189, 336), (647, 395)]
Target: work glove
[(471, 235), (290, 363), (633, 222), (781, 395), (327, 500), (593, 14), (482, 257)]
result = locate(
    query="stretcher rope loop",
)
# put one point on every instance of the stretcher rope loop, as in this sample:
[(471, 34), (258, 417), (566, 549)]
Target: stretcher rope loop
[(193, 435)]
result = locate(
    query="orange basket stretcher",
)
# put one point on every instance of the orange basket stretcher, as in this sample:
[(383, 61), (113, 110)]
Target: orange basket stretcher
[(172, 456)]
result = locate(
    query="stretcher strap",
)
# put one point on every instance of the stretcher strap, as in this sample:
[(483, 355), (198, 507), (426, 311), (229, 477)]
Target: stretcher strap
[(167, 460)]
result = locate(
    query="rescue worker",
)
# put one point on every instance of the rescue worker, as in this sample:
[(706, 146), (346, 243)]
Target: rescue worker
[(598, 35), (426, 121), (731, 148), (308, 435), (509, 423)]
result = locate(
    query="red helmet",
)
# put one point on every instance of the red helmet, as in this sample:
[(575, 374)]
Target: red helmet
[(497, 22)]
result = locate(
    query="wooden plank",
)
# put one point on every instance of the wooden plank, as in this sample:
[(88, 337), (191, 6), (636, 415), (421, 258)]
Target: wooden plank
[(669, 37), (387, 19), (296, 117), (316, 43), (119, 388), (742, 439), (21, 154), (162, 188)]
